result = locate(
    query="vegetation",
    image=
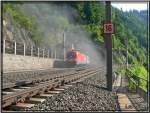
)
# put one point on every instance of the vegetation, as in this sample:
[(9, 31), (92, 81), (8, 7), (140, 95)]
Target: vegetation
[(23, 21), (142, 76), (131, 26)]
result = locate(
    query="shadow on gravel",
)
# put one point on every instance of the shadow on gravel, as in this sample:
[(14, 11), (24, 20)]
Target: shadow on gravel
[(104, 88)]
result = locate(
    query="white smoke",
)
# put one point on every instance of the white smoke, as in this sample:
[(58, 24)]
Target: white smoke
[(54, 19)]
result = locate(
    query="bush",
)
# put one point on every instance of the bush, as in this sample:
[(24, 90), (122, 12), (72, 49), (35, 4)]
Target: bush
[(141, 72)]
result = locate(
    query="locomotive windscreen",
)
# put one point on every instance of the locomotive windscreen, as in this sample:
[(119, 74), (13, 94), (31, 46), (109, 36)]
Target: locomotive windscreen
[(71, 55)]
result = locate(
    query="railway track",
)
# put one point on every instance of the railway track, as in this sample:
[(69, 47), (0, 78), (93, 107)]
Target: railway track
[(17, 78), (46, 85)]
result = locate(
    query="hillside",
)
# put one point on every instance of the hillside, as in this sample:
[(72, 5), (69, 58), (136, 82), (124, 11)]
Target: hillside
[(82, 23)]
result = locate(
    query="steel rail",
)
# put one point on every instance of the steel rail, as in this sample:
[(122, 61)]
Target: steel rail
[(40, 88), (49, 75), (34, 80)]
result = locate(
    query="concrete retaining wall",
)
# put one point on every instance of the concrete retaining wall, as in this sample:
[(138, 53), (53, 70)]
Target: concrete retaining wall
[(19, 62)]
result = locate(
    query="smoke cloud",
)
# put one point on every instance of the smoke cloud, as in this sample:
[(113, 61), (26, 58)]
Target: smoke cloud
[(57, 18)]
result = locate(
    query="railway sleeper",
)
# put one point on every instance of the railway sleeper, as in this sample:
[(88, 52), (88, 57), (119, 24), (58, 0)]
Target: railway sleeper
[(43, 88), (35, 100), (45, 95), (22, 106), (19, 99)]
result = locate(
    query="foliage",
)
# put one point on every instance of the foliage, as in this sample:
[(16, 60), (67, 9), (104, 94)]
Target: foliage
[(142, 73), (130, 26), (22, 20)]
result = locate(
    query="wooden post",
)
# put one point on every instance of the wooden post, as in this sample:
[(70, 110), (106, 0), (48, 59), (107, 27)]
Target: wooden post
[(4, 46), (38, 52), (24, 49), (15, 48)]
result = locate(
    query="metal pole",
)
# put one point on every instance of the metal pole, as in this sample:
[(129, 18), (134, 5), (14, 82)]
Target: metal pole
[(24, 49), (15, 48), (51, 54), (72, 47), (109, 47), (31, 50), (64, 45), (48, 54), (55, 54), (4, 46), (43, 53), (126, 53), (38, 52)]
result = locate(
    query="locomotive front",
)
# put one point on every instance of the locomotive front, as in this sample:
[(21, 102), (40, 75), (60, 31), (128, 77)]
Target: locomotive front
[(75, 57)]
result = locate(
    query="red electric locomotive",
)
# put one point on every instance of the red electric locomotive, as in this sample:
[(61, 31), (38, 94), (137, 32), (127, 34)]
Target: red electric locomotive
[(75, 57)]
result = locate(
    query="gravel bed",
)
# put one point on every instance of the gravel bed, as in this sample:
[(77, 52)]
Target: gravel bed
[(88, 95), (25, 76)]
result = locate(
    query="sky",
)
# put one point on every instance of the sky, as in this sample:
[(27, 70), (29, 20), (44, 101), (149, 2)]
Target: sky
[(126, 6)]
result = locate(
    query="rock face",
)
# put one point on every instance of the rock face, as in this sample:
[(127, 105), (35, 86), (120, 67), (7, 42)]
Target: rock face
[(17, 33), (88, 95)]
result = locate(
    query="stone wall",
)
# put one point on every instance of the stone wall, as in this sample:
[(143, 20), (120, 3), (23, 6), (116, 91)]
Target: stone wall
[(18, 62)]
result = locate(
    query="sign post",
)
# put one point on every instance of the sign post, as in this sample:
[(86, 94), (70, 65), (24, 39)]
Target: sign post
[(108, 30)]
